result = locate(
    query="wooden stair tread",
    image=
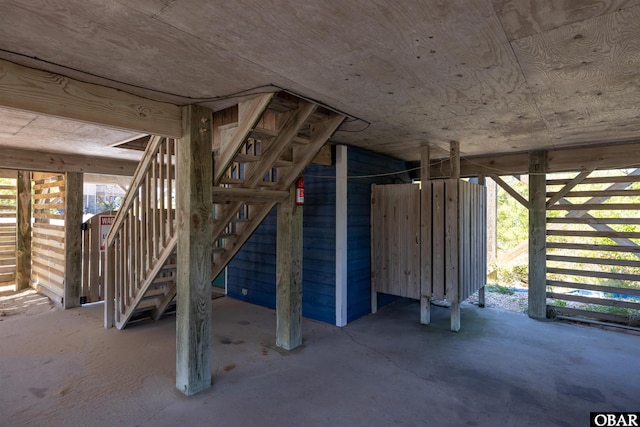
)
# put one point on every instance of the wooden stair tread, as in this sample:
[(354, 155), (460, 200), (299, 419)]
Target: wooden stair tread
[(231, 181), (247, 195), (260, 132), (282, 163), (236, 181), (158, 281), (280, 105), (246, 158)]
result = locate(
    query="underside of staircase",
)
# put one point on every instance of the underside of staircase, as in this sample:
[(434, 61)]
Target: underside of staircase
[(260, 147)]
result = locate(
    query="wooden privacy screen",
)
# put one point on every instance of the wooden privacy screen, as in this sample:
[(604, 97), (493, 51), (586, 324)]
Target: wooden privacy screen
[(458, 239), (8, 193), (593, 246), (48, 231), (395, 243), (455, 218)]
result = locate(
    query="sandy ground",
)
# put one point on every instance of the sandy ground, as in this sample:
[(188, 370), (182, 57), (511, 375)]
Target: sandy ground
[(23, 303), (61, 368), (28, 302)]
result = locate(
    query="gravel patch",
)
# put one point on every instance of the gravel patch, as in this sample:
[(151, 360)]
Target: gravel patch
[(518, 302)]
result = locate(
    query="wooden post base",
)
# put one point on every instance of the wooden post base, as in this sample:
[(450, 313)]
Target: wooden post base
[(455, 317), (425, 310)]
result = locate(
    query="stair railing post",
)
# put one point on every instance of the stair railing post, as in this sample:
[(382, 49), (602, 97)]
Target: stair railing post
[(109, 286)]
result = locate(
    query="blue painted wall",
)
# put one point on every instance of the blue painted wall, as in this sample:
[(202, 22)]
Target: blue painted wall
[(361, 162), (253, 268)]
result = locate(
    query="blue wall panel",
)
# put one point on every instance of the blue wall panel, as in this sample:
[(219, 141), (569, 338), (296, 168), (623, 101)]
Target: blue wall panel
[(319, 245), (253, 268), (362, 162)]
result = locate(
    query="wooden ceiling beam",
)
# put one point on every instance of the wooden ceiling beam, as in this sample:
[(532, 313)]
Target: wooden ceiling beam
[(8, 174), (605, 156), (17, 159), (48, 93)]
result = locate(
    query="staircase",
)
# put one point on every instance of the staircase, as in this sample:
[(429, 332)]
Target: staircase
[(260, 147)]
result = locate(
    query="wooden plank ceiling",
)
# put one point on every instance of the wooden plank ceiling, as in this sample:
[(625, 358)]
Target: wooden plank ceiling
[(498, 76)]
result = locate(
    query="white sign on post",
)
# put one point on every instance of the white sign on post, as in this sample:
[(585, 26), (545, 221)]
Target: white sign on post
[(105, 226)]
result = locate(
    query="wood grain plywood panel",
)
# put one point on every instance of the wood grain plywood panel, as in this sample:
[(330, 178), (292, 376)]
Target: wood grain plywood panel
[(19, 129), (586, 72), (417, 71), (524, 18), (134, 44), (455, 61)]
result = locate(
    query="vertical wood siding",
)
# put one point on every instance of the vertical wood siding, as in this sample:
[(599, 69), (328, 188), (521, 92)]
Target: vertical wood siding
[(361, 162)]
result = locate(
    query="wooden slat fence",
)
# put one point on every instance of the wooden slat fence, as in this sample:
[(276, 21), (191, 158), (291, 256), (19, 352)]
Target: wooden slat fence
[(593, 261), (458, 262), (8, 193), (48, 231)]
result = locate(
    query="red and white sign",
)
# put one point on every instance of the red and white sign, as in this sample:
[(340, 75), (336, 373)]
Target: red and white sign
[(105, 226), (300, 191)]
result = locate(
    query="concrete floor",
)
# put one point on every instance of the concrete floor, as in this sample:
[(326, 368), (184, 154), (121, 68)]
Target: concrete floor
[(61, 368)]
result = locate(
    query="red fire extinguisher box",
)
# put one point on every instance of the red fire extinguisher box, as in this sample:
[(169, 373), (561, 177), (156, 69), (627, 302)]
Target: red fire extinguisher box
[(300, 191)]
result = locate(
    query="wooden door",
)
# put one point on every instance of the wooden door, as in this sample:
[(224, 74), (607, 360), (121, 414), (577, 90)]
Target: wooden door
[(395, 234)]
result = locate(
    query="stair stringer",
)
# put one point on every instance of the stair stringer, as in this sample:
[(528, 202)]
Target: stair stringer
[(302, 155)]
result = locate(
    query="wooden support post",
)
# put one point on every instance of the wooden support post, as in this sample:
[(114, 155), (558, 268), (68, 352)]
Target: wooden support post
[(289, 273), (341, 237), (425, 238), (73, 240), (492, 229), (482, 181), (194, 228), (454, 158), (109, 287), (23, 230), (537, 235), (374, 290)]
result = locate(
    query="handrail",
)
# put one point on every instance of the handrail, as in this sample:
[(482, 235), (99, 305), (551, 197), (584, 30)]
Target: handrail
[(143, 234), (138, 178)]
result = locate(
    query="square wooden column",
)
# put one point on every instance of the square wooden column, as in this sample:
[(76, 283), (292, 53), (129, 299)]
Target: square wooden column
[(425, 237), (73, 239), (23, 231), (454, 158), (289, 273), (481, 294), (195, 238), (342, 212), (538, 235)]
